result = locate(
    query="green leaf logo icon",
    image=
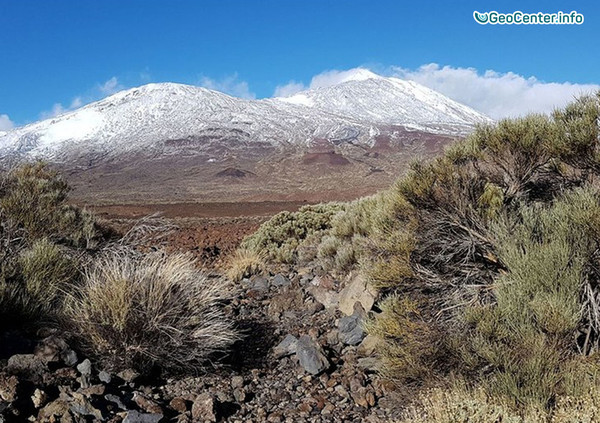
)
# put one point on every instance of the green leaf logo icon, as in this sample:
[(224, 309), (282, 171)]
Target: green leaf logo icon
[(480, 18)]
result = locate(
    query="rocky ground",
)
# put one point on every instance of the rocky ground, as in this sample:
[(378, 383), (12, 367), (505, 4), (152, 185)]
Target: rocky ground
[(303, 358)]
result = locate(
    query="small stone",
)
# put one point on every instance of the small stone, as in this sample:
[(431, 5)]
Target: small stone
[(85, 367), (280, 280), (8, 387), (128, 375), (178, 404), (137, 417), (237, 381), (286, 347), (104, 377), (115, 400), (259, 287), (39, 398), (204, 408), (311, 356), (146, 404)]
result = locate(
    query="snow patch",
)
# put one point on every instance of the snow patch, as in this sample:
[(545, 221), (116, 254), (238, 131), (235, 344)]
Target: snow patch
[(80, 125)]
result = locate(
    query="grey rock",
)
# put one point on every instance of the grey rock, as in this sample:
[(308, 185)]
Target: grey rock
[(260, 284), (310, 355), (351, 330), (115, 400), (137, 417), (280, 280), (80, 405), (85, 367), (104, 376), (27, 366), (69, 357), (286, 347)]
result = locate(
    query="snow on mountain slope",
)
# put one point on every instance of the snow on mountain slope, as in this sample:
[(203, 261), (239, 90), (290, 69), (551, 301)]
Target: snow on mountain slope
[(366, 96), (149, 119)]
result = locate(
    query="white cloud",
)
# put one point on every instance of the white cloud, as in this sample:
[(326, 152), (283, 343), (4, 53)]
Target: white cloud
[(6, 123), (288, 89), (324, 79), (107, 88), (58, 109), (230, 85), (496, 94), (110, 87)]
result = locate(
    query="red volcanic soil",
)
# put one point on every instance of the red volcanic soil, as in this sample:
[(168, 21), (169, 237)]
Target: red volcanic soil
[(209, 231), (196, 210), (328, 158)]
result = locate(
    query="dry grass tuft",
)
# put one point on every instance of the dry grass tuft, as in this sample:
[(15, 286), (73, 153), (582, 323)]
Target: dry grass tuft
[(153, 310), (245, 263)]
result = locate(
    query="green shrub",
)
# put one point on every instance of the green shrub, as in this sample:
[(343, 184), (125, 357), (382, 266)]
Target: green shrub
[(39, 237), (279, 238), (152, 310), (34, 198), (528, 334), (498, 242)]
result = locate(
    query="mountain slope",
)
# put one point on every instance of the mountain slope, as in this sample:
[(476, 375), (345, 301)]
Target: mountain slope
[(174, 142), (366, 96)]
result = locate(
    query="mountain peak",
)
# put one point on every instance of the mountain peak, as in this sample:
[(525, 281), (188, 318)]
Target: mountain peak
[(358, 74)]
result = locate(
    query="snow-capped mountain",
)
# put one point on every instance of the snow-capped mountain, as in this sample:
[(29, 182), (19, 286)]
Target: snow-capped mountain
[(165, 118), (368, 97)]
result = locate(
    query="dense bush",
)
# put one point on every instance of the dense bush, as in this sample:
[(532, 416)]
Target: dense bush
[(152, 310), (39, 235), (34, 198), (498, 247), (279, 238)]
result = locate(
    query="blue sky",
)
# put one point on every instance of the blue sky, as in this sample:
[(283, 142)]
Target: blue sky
[(59, 54)]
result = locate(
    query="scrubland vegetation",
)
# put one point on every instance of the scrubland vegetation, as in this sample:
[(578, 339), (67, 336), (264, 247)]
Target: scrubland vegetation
[(126, 308), (487, 262)]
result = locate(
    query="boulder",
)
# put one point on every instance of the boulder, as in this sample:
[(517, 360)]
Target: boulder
[(137, 417), (203, 408), (356, 290), (310, 355), (350, 328), (285, 347)]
